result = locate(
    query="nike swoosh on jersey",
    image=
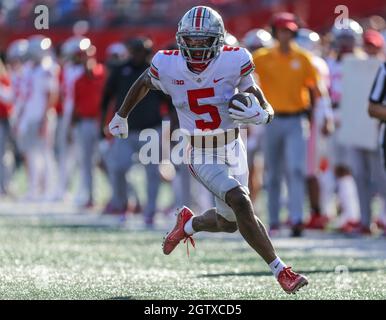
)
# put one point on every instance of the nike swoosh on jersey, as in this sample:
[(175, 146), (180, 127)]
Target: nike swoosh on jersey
[(217, 80)]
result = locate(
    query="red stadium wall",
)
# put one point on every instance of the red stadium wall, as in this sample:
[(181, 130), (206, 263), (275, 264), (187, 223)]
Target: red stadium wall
[(101, 39), (318, 15)]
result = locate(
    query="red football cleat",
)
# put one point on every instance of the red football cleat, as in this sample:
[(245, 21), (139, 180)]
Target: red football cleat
[(317, 222), (365, 231), (380, 224), (349, 227), (291, 281), (175, 236)]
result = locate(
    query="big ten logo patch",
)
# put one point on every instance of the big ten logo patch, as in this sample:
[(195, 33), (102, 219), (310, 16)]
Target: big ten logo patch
[(178, 82)]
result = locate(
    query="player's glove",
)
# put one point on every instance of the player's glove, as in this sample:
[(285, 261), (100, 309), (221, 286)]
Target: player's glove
[(254, 114), (118, 127)]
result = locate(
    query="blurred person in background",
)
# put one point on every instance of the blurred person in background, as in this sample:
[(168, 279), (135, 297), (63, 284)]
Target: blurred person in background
[(146, 115), (16, 57), (231, 40), (257, 38), (116, 53), (6, 99), (367, 164), (344, 43), (373, 44), (286, 74), (321, 125), (377, 110), (85, 118), (72, 69), (253, 40), (34, 118)]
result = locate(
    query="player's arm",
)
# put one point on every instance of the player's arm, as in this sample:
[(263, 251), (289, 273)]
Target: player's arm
[(260, 112), (376, 107), (320, 97), (109, 93), (258, 93), (118, 126), (136, 93), (377, 110)]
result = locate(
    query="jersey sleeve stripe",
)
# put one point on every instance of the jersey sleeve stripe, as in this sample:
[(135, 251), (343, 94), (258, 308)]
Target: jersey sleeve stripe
[(154, 67), (378, 91), (153, 73), (246, 70), (245, 64)]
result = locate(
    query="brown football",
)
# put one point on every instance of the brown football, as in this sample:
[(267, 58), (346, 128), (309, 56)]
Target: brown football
[(242, 97)]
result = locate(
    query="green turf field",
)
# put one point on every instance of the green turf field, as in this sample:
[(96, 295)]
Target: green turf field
[(65, 255)]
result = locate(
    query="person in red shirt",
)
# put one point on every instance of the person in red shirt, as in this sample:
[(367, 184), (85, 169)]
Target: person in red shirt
[(5, 111), (88, 90)]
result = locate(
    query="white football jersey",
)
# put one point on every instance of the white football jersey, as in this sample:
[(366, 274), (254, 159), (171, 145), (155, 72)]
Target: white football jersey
[(335, 68), (20, 86), (323, 108), (40, 80), (201, 100), (71, 73), (16, 82)]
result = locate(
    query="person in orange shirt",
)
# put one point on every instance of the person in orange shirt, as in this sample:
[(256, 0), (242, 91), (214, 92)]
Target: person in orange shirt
[(88, 90), (5, 111), (286, 74)]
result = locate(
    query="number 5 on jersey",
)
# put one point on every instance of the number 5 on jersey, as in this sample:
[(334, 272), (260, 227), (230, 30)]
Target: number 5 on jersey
[(193, 96)]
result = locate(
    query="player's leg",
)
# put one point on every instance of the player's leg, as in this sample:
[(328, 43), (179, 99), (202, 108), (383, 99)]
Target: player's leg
[(379, 178), (48, 161), (181, 186), (273, 160), (295, 155), (254, 232), (255, 163), (152, 187), (313, 194), (346, 189), (211, 221), (361, 169), (63, 147), (226, 176), (210, 170), (236, 213), (87, 135), (119, 160), (187, 223), (153, 181), (32, 152), (250, 227), (311, 169), (317, 220)]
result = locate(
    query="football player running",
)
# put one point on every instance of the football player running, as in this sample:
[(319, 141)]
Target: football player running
[(201, 77)]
